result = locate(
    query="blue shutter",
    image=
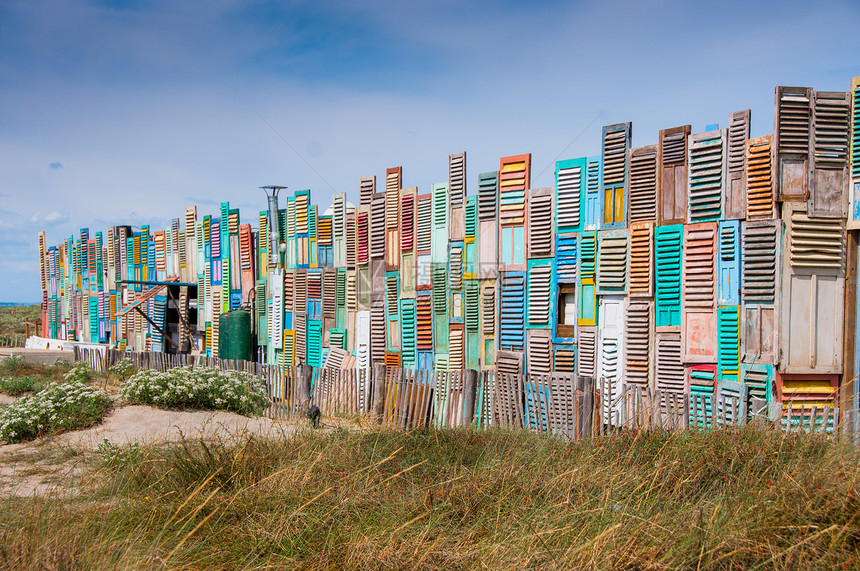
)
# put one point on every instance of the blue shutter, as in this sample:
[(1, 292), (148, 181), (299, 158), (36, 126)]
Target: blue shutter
[(729, 268), (565, 258), (668, 241)]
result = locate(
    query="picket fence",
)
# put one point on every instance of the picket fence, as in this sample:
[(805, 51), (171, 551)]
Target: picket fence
[(12, 340), (559, 404)]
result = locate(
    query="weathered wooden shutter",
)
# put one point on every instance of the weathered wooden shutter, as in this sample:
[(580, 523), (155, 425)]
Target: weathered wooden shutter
[(610, 341), (854, 189), (638, 339), (456, 347), (643, 184), (593, 173), (736, 162), (828, 172), (407, 220), (728, 342), (565, 258), (799, 393), (314, 343), (758, 379), (587, 352), (616, 144), (698, 316), (587, 275), (514, 175), (457, 179), (667, 250), (510, 363), (672, 157), (729, 263), (641, 266), (669, 368), (440, 290), (377, 328), (540, 227), (377, 227), (366, 190), (759, 184), (791, 134), (488, 191), (569, 194), (707, 175), (539, 298), (363, 234), (424, 325), (539, 358), (488, 232), (408, 333), (612, 262), (811, 325), (564, 360), (300, 291), (511, 337)]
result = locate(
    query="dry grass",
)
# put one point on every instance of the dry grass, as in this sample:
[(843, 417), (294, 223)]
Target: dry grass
[(456, 499)]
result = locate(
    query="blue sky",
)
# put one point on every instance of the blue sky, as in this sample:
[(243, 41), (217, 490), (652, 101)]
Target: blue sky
[(126, 112)]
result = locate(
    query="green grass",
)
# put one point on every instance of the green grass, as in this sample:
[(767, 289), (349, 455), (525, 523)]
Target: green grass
[(17, 386), (455, 499), (12, 319)]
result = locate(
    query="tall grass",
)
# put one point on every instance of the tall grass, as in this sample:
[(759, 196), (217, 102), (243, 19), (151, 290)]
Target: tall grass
[(457, 499)]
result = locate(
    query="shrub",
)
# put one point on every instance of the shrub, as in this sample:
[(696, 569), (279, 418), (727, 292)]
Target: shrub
[(197, 387), (16, 386), (59, 407), (122, 370), (113, 455), (80, 372), (12, 363)]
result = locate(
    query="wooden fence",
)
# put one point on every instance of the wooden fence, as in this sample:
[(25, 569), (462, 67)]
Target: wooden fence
[(559, 404), (12, 340)]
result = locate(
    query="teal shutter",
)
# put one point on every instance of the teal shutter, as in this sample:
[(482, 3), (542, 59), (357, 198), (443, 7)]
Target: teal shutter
[(668, 254)]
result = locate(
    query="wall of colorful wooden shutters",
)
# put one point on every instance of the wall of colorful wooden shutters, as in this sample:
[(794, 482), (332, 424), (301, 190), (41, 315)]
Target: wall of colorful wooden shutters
[(791, 134), (707, 176), (672, 170), (667, 251), (616, 144), (643, 184), (698, 318)]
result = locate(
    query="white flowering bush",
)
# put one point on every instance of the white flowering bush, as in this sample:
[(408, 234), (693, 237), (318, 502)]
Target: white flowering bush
[(202, 387), (122, 370), (70, 405), (80, 372)]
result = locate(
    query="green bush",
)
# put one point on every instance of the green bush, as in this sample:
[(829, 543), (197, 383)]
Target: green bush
[(197, 388), (12, 363), (59, 407), (16, 386), (122, 370), (80, 372), (114, 456)]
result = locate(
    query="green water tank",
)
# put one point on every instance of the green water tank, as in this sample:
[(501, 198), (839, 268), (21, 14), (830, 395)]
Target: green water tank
[(234, 335)]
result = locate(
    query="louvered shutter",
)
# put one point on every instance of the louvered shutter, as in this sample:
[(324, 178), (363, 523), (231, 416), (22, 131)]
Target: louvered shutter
[(366, 190), (540, 227), (472, 306), (758, 379), (488, 191), (539, 289), (643, 184), (587, 275), (351, 241), (564, 361), (610, 343), (513, 316), (424, 224), (667, 250), (736, 154), (854, 189), (510, 363), (363, 234), (641, 264), (828, 176), (455, 266), (457, 179), (728, 341), (408, 333), (377, 328), (300, 329), (612, 262), (707, 176), (539, 358), (669, 368), (799, 393), (638, 338), (587, 352), (300, 292), (569, 194), (698, 293), (514, 174), (440, 290), (760, 247), (791, 133), (565, 258), (424, 323), (593, 173), (377, 226), (812, 293), (407, 220), (456, 347), (488, 311), (392, 293), (616, 145), (729, 263), (329, 293), (759, 184), (439, 247), (314, 343), (672, 168)]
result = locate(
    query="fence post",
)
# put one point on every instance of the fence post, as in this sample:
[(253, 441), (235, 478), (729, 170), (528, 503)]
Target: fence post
[(470, 388), (378, 381), (305, 373)]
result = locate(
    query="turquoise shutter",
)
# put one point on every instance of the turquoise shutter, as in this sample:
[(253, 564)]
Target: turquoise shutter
[(408, 346), (668, 278), (593, 172), (565, 258), (728, 342)]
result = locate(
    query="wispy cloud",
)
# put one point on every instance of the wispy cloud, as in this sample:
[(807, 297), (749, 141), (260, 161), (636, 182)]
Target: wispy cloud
[(52, 218), (56, 165)]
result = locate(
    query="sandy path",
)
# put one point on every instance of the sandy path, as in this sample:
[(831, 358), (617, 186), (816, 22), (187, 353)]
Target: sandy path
[(51, 466)]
